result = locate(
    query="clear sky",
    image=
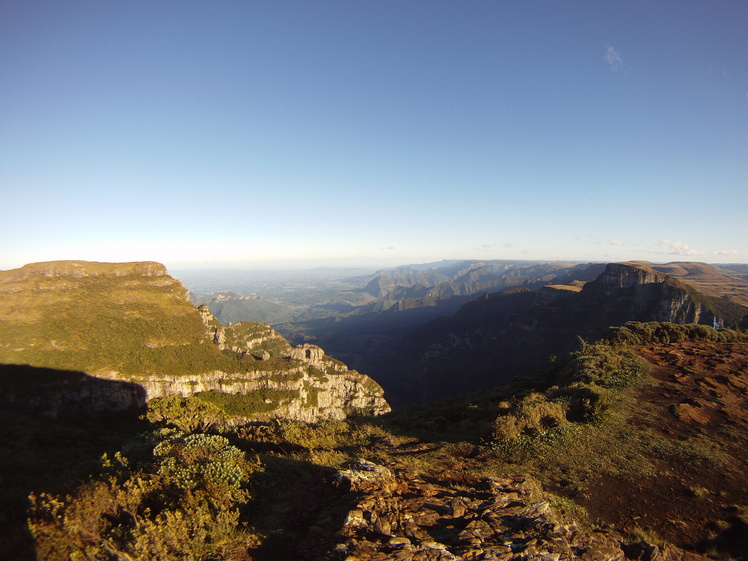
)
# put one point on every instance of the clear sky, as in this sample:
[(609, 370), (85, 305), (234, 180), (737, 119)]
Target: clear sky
[(373, 133)]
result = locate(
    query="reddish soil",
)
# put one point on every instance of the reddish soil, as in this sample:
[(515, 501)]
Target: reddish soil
[(700, 397)]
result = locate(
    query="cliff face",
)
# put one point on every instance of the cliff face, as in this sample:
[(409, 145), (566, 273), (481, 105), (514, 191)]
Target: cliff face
[(293, 394), (643, 294), (58, 393), (120, 334)]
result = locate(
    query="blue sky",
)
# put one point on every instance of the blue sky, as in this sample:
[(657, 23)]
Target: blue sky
[(373, 133)]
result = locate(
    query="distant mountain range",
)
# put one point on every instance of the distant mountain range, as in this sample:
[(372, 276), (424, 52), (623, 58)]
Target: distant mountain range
[(358, 318)]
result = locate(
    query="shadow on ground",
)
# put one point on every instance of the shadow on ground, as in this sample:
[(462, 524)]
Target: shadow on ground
[(54, 434)]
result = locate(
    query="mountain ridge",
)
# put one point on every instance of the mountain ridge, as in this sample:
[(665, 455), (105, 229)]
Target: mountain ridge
[(80, 269)]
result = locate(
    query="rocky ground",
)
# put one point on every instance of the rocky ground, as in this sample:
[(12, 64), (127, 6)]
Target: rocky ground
[(490, 519)]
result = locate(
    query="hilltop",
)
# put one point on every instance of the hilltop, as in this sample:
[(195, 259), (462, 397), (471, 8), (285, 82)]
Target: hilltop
[(716, 281)]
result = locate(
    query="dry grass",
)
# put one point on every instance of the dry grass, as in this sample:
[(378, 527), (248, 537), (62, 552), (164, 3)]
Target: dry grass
[(533, 415)]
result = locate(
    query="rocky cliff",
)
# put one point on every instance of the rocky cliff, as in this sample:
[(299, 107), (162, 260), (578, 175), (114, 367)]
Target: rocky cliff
[(635, 291), (111, 329)]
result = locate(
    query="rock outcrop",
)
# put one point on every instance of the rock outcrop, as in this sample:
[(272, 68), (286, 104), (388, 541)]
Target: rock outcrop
[(308, 353), (643, 294), (509, 519)]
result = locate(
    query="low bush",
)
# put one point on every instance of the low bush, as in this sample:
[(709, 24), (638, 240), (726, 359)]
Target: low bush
[(603, 365), (188, 414), (531, 415), (586, 404), (184, 504)]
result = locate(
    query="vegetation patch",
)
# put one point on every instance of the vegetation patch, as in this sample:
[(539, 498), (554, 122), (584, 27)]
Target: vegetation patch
[(581, 392), (530, 415), (188, 414), (312, 394), (185, 501), (660, 333), (263, 400)]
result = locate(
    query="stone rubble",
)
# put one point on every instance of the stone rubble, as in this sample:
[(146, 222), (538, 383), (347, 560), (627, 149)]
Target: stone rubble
[(493, 519)]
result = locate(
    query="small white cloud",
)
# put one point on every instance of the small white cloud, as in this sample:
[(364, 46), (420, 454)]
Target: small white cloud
[(487, 247), (677, 248), (617, 242), (725, 252), (388, 248), (508, 244), (613, 58)]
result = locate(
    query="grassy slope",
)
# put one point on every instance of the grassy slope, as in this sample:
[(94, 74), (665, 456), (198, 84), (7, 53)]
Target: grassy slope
[(128, 324)]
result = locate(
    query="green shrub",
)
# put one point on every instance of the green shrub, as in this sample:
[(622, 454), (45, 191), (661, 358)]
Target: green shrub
[(638, 333), (200, 460), (586, 404), (250, 404), (603, 365), (183, 505), (188, 414)]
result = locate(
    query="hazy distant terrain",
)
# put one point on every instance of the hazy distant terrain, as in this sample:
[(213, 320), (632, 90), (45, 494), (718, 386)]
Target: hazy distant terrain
[(357, 315)]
